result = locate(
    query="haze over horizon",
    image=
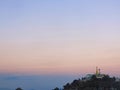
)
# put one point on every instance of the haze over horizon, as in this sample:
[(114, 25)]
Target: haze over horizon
[(59, 37)]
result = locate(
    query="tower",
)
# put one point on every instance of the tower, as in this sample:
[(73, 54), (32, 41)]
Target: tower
[(97, 71)]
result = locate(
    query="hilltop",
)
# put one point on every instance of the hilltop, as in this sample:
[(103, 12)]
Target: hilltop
[(95, 81)]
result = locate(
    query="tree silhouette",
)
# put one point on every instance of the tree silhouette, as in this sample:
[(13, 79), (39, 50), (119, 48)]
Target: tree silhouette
[(56, 88), (19, 89), (104, 83)]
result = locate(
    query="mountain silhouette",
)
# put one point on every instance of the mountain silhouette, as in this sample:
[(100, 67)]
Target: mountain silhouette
[(95, 81)]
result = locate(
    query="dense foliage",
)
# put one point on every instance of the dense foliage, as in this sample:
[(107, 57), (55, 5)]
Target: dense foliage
[(105, 83)]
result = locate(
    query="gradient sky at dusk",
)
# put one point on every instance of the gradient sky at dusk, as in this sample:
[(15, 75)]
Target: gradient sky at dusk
[(59, 36)]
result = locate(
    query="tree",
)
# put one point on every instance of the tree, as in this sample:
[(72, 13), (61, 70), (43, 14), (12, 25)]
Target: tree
[(19, 89), (56, 88), (67, 86)]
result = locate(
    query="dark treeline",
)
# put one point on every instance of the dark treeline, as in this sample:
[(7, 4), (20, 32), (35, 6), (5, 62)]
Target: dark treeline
[(105, 83)]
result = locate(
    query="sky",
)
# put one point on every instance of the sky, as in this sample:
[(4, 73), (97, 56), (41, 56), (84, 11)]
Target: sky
[(59, 37)]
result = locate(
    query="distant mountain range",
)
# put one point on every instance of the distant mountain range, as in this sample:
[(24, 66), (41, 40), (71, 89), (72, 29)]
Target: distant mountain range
[(5, 89)]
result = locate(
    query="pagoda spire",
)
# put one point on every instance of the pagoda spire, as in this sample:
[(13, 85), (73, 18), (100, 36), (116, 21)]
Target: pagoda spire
[(97, 71)]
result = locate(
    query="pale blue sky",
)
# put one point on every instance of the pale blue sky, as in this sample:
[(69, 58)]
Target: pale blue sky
[(38, 19)]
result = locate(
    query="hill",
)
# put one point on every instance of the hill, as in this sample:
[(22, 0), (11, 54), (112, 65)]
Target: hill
[(95, 81), (105, 83)]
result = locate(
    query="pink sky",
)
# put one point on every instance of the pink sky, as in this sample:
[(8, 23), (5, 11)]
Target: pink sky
[(64, 58), (59, 37)]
